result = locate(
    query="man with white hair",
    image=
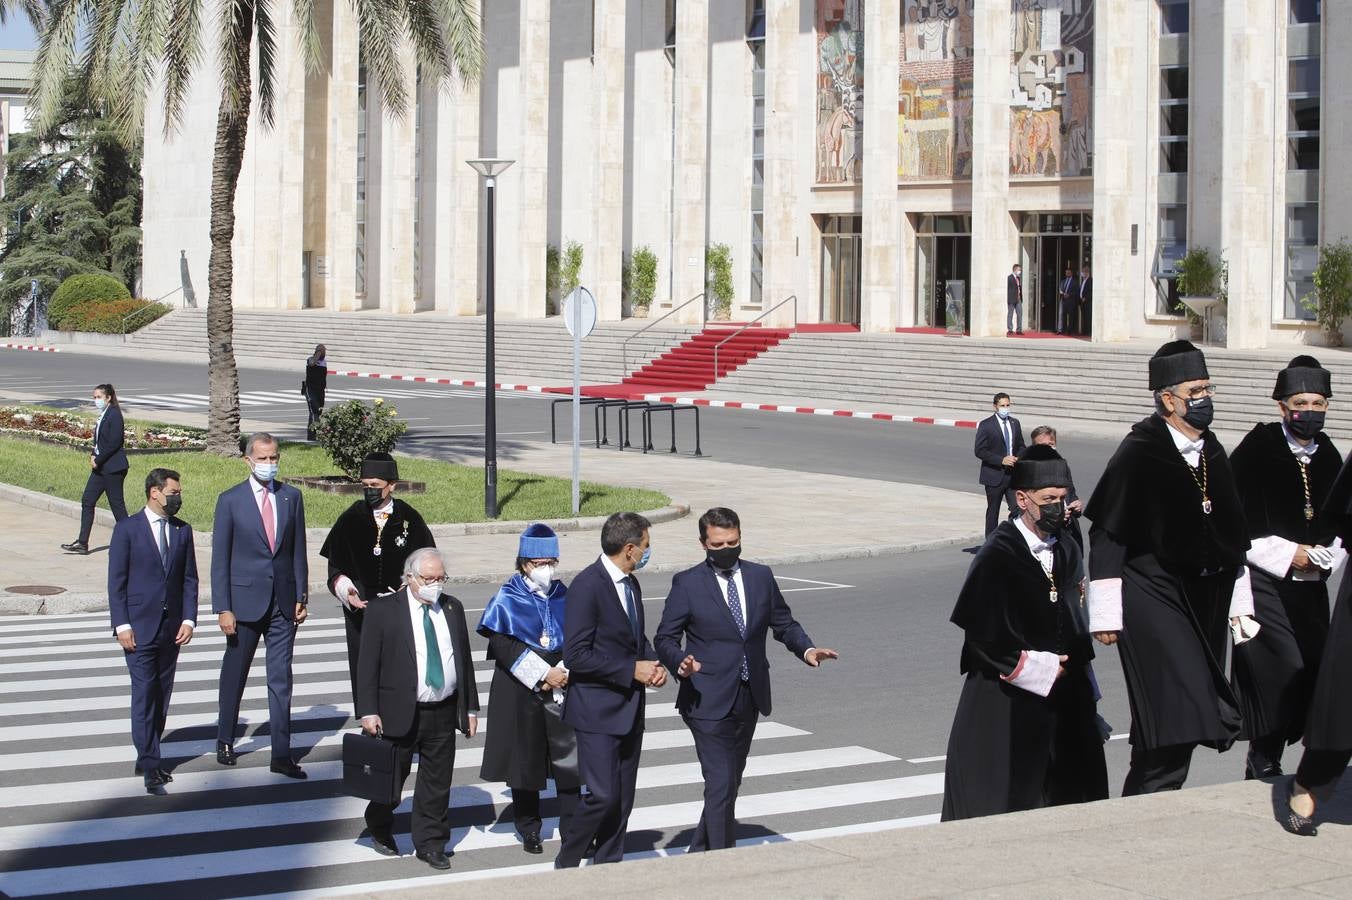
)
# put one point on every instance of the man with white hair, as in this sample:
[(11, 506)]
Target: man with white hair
[(415, 685)]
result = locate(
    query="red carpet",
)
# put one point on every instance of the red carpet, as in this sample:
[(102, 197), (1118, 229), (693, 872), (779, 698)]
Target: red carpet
[(689, 366), (1029, 335)]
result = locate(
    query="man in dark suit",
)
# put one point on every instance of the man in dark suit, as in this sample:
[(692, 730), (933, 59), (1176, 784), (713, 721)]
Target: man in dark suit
[(1084, 292), (999, 441), (1014, 301), (1066, 299), (152, 597), (107, 467), (610, 665), (259, 578), (723, 608), (415, 684)]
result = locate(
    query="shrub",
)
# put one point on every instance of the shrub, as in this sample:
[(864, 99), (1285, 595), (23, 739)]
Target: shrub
[(78, 290), (643, 277), (570, 272), (551, 276), (1331, 300), (351, 430), (1198, 273), (110, 316), (718, 277)]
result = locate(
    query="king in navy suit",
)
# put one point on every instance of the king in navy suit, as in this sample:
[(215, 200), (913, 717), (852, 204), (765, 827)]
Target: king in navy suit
[(259, 576), (152, 599), (611, 664), (723, 609)]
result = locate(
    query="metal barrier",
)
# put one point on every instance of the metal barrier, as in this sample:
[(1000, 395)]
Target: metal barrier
[(672, 408), (792, 298), (553, 425), (624, 348)]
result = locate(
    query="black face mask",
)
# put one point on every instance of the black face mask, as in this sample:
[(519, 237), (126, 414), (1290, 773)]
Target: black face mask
[(724, 558), (1200, 413), (1051, 517), (1305, 423), (172, 504), (375, 497)]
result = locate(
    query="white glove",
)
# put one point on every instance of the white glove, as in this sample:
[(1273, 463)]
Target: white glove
[(341, 587), (1245, 628), (1321, 557)]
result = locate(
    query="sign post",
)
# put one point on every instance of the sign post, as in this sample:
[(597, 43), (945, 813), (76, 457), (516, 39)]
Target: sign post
[(579, 314)]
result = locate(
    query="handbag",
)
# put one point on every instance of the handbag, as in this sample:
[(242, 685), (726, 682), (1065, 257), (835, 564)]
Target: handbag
[(371, 768)]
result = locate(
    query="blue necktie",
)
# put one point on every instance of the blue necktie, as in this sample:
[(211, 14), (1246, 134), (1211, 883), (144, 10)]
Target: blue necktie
[(632, 610), (735, 605), (164, 544)]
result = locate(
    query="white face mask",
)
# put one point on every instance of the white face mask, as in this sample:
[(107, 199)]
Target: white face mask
[(541, 577), (429, 593), (100, 403)]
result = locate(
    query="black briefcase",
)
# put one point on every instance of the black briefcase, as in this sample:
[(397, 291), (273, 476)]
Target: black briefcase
[(371, 768)]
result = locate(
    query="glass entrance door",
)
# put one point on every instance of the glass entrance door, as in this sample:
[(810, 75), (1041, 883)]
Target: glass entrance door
[(841, 263), (1050, 243), (943, 254)]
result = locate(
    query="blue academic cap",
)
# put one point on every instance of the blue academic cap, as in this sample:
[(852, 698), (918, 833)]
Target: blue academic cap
[(538, 541)]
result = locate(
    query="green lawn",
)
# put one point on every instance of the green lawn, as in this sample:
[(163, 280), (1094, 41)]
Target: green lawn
[(454, 493)]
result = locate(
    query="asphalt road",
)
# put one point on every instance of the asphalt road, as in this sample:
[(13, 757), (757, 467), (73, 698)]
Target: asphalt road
[(449, 421)]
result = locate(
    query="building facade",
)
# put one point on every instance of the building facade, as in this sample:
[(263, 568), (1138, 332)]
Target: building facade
[(865, 162)]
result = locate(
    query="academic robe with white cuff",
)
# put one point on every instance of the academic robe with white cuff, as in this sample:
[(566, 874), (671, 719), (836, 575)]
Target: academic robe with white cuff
[(1274, 674), (1022, 738), (1328, 725), (1168, 576)]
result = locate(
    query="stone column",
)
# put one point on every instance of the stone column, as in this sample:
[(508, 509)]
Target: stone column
[(1117, 295), (783, 92), (692, 152), (340, 244), (882, 206), (1335, 124), (531, 171), (608, 80), (450, 228), (993, 238), (397, 195)]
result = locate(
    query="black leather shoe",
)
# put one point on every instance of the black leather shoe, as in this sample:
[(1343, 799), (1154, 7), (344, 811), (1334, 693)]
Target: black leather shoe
[(155, 783), (165, 775), (531, 843), (1254, 771), (76, 547), (288, 768), (225, 753), (434, 858), (384, 843)]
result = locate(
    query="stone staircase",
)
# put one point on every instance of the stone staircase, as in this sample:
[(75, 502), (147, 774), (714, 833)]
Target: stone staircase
[(1057, 382), (536, 352), (690, 366)]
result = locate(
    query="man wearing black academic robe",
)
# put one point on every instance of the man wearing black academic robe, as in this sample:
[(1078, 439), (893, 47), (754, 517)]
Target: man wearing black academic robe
[(1166, 568), (1274, 674), (351, 549), (1020, 742)]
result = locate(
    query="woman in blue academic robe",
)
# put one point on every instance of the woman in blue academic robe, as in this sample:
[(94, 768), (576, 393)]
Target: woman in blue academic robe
[(528, 742)]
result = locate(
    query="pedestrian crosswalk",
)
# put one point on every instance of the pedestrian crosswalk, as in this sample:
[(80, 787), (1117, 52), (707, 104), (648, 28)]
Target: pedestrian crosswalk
[(193, 402), (75, 821)]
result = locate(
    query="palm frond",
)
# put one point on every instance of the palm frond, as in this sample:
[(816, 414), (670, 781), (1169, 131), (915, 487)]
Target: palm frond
[(234, 40), (56, 53), (312, 48), (181, 51), (267, 63), (380, 31), (426, 32), (464, 37)]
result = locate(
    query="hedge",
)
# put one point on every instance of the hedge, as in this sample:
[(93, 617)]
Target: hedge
[(80, 290), (109, 316)]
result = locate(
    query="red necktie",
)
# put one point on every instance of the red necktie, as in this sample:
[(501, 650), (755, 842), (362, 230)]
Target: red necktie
[(269, 527)]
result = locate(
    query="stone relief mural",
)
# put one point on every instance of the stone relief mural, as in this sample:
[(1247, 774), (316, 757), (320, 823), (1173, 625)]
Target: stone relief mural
[(934, 100), (1051, 84), (840, 91)]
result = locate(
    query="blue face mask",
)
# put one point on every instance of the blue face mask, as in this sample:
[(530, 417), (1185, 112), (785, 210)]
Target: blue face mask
[(265, 472), (1002, 412), (100, 403), (643, 561)]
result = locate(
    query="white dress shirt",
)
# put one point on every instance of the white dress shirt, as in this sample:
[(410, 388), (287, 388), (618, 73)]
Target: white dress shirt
[(258, 490), (1190, 449), (155, 519), (617, 580), (98, 423), (415, 613)]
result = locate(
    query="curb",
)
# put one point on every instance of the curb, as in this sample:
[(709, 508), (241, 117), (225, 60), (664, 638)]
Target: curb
[(71, 509), (64, 604), (36, 348), (810, 410), (682, 401)]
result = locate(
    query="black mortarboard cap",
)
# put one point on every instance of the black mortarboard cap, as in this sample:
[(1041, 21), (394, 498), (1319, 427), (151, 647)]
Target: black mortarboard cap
[(380, 465), (1040, 467), (1303, 375), (1175, 363)]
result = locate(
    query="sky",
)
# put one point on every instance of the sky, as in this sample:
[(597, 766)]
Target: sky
[(18, 34)]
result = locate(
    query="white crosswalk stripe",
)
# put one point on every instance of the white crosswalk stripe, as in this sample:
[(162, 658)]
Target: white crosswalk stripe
[(74, 820)]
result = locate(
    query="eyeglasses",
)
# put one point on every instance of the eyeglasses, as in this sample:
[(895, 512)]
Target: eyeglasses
[(1203, 390), (425, 580)]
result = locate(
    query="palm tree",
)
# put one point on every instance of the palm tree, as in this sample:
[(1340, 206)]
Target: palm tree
[(119, 49)]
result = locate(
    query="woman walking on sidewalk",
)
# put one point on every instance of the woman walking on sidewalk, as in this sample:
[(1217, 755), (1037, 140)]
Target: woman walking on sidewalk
[(107, 467), (316, 380)]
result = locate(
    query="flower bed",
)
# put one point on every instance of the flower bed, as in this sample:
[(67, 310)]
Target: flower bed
[(77, 430)]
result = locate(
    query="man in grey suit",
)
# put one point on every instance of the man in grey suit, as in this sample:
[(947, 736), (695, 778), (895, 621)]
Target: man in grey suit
[(259, 576)]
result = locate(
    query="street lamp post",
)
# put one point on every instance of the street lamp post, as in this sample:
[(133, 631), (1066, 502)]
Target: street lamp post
[(490, 169)]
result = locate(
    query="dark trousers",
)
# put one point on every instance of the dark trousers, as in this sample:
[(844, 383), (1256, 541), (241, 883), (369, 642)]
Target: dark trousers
[(280, 636), (432, 737), (1264, 752), (1014, 316), (315, 410), (109, 483), (151, 666), (996, 495), (1160, 769), (352, 625), (608, 764), (722, 746), (1320, 770), (526, 811)]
